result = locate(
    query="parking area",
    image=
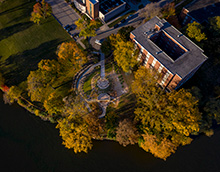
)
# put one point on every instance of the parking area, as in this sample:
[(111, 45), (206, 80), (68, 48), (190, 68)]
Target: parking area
[(64, 14)]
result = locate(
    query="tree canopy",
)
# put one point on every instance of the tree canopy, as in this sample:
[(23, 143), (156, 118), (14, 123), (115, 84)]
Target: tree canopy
[(168, 10), (124, 53), (127, 133), (73, 128), (41, 10), (70, 56), (169, 117), (87, 29), (194, 30)]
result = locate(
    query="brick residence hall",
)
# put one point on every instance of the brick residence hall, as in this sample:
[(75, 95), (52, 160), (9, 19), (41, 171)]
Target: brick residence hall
[(165, 49)]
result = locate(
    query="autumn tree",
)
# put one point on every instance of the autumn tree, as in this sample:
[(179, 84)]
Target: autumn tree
[(194, 30), (12, 95), (127, 133), (170, 117), (96, 127), (161, 148), (150, 10), (87, 29), (54, 104), (168, 10), (40, 81), (46, 9), (41, 10), (73, 127), (36, 15), (74, 132), (70, 56), (125, 54)]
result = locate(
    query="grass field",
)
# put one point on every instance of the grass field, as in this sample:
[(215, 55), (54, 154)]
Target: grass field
[(22, 43)]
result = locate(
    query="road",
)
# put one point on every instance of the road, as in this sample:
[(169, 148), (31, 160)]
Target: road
[(135, 21)]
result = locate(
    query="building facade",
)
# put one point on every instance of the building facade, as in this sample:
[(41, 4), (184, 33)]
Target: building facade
[(166, 50), (103, 9)]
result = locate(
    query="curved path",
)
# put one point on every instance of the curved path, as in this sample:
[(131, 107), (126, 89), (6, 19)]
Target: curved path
[(79, 85)]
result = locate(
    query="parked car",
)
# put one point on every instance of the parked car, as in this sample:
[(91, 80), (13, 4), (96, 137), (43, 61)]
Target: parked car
[(68, 28)]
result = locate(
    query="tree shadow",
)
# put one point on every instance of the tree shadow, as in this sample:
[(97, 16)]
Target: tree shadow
[(11, 30), (20, 7), (18, 66)]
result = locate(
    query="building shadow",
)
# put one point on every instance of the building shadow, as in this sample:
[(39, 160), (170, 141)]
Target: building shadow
[(17, 67)]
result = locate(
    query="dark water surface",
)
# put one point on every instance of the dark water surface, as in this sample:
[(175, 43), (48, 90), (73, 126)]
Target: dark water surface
[(30, 144)]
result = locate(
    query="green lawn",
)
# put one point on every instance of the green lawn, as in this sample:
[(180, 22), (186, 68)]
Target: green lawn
[(22, 43)]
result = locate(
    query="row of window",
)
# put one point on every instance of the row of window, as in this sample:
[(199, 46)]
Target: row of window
[(153, 63)]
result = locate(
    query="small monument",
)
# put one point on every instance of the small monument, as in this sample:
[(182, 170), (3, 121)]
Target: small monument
[(102, 83)]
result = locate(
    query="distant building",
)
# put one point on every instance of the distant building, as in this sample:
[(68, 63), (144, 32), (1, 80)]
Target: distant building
[(200, 11), (104, 9), (165, 49)]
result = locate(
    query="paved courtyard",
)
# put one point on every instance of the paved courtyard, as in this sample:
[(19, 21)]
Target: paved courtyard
[(64, 13)]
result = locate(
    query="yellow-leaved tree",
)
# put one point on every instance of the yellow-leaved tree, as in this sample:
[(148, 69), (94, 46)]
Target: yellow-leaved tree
[(124, 53), (167, 118), (73, 128), (69, 55)]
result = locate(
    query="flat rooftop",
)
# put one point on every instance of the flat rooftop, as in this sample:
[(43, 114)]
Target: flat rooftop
[(202, 10), (106, 6), (183, 62)]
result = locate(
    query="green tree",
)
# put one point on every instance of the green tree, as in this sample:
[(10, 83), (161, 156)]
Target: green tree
[(127, 133), (194, 30)]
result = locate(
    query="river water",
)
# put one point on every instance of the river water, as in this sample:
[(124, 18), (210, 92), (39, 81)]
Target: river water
[(30, 144)]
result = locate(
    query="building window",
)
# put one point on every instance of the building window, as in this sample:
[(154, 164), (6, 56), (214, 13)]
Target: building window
[(139, 56), (165, 78), (160, 68), (90, 9), (154, 62)]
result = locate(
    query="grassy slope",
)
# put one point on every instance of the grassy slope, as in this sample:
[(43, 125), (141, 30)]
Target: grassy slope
[(22, 43)]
